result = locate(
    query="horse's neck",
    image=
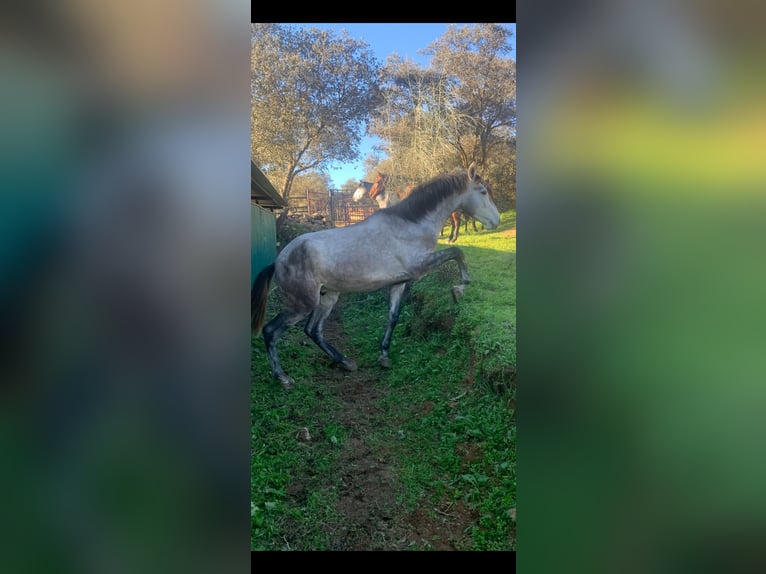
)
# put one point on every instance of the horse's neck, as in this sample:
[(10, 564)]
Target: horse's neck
[(442, 212), (432, 224)]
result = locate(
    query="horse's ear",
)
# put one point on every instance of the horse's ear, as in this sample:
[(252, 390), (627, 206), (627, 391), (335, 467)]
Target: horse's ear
[(472, 171)]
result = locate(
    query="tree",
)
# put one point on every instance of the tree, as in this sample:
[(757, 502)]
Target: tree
[(312, 93), (459, 109), (318, 183), (411, 120), (350, 186), (482, 87)]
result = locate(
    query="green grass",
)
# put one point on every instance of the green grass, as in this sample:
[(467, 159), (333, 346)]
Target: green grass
[(460, 361), (446, 408), (278, 459)]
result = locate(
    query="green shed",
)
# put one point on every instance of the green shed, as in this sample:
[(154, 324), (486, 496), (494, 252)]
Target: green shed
[(264, 199)]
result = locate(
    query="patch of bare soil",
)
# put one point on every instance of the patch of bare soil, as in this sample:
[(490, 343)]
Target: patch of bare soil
[(372, 519), (469, 452), (444, 527), (367, 499)]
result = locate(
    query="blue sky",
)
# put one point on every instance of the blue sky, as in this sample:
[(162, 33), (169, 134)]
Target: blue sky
[(384, 40)]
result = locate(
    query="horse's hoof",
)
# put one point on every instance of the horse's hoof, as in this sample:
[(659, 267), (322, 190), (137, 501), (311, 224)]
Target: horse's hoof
[(385, 362), (287, 382), (457, 292), (348, 364)]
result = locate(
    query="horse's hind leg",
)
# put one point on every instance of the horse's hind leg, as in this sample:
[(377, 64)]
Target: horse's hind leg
[(314, 330), (394, 305), (271, 332)]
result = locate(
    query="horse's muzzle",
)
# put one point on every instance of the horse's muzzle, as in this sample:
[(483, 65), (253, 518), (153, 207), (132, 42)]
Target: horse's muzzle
[(489, 224)]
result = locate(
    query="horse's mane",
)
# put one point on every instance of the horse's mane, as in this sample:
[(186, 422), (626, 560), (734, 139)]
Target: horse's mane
[(425, 197)]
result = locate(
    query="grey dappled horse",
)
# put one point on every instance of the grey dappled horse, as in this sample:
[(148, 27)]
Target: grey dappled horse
[(388, 249)]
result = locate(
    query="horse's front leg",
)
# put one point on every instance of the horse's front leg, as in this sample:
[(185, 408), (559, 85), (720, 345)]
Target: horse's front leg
[(440, 258), (395, 294)]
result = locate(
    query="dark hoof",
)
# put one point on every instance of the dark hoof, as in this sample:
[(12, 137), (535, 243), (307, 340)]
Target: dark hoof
[(385, 362), (348, 364), (457, 292)]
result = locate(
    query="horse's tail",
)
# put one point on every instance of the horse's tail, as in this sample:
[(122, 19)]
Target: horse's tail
[(258, 296)]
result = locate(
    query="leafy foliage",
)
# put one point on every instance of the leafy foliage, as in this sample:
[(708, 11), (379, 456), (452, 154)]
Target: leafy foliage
[(458, 110), (312, 93)]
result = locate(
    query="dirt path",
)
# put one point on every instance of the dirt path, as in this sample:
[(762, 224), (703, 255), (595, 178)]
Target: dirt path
[(372, 517)]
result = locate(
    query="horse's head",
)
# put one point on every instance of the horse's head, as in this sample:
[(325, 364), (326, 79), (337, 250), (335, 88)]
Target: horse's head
[(379, 185), (478, 202), (364, 187)]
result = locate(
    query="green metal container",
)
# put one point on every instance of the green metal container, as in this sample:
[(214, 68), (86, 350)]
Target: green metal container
[(263, 240)]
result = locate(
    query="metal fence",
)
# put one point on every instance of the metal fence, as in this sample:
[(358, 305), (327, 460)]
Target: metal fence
[(336, 207), (347, 213)]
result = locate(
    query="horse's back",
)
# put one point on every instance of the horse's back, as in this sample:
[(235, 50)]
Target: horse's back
[(360, 257)]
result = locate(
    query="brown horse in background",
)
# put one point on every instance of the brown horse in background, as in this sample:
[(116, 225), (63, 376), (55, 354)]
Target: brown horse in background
[(378, 190)]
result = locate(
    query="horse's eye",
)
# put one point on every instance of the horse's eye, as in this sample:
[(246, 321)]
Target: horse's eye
[(484, 192)]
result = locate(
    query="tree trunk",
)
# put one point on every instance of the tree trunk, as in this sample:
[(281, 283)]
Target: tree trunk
[(289, 178)]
